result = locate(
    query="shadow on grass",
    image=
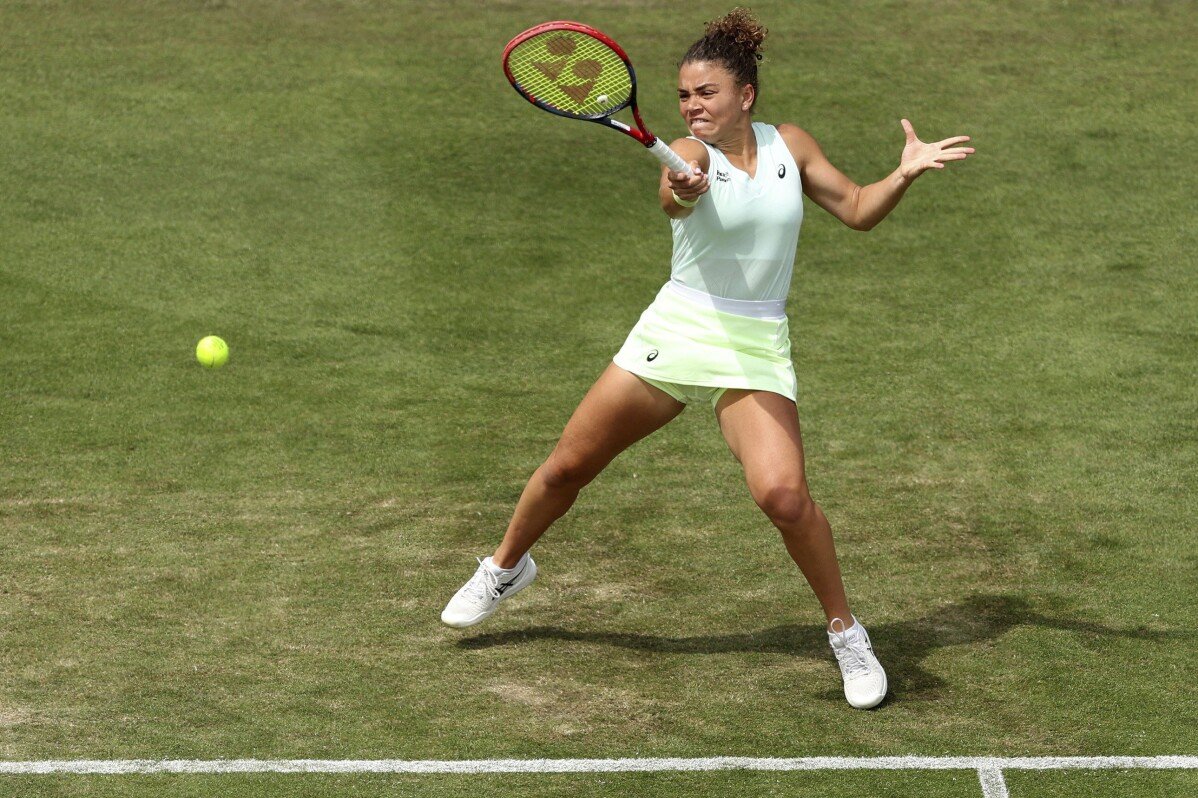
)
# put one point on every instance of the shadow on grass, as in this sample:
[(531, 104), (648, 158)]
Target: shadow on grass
[(902, 646)]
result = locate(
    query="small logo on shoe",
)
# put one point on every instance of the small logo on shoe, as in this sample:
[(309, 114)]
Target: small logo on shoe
[(501, 589), (652, 356), (782, 170)]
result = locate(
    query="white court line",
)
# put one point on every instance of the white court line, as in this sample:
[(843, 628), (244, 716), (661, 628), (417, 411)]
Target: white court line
[(983, 765), (993, 784)]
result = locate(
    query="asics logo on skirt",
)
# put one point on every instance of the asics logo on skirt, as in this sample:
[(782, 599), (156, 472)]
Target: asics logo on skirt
[(652, 356)]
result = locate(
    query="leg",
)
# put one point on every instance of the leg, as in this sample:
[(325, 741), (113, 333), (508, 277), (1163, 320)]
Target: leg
[(618, 411), (762, 429)]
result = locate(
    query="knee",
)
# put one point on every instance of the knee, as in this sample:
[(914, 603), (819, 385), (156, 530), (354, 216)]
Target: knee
[(785, 504), (565, 471)]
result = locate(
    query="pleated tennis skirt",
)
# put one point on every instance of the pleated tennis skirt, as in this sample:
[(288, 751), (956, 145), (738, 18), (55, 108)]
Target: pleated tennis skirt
[(683, 337)]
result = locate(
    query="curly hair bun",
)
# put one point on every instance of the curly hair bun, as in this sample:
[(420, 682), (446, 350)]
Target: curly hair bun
[(741, 29)]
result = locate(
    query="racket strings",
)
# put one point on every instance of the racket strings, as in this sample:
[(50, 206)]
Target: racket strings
[(574, 73)]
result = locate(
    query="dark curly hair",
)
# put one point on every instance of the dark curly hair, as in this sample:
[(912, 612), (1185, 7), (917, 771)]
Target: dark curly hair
[(733, 41)]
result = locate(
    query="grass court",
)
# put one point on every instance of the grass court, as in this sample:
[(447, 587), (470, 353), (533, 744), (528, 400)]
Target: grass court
[(419, 275)]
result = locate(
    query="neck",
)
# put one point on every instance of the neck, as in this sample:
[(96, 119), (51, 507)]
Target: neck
[(740, 143)]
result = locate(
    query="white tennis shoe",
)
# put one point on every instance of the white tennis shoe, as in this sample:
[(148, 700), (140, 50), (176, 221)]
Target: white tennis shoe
[(864, 680), (480, 597)]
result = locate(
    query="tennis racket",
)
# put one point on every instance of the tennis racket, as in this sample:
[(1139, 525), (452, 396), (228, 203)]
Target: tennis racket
[(573, 70)]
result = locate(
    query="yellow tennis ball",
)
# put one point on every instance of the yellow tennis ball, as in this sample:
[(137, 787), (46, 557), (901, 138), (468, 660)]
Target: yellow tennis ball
[(212, 352)]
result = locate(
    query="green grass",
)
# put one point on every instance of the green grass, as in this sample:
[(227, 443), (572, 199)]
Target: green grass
[(900, 784), (419, 276)]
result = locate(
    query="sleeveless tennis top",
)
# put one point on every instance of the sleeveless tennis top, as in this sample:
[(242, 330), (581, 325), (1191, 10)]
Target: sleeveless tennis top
[(739, 242)]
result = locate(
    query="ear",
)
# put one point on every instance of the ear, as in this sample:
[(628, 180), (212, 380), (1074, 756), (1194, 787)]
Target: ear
[(747, 95)]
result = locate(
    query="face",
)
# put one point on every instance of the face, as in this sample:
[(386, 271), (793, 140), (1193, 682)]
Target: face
[(710, 102)]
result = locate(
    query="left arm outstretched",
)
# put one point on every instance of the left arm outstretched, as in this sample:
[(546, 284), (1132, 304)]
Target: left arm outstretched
[(862, 207)]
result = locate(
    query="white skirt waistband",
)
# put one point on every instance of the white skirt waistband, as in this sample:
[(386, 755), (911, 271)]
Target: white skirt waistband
[(757, 309)]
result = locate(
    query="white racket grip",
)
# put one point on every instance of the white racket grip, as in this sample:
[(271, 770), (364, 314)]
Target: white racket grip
[(663, 153)]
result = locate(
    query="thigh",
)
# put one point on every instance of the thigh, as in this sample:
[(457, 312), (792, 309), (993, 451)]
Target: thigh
[(762, 430), (617, 411)]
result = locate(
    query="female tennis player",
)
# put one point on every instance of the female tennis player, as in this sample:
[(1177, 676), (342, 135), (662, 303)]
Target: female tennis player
[(717, 332)]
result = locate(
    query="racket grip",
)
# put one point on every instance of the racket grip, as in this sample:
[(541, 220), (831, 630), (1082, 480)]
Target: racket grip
[(663, 153)]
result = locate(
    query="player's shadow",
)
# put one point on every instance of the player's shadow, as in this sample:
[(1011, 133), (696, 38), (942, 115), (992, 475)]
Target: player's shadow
[(902, 646)]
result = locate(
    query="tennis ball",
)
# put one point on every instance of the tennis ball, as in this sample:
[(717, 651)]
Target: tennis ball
[(212, 352)]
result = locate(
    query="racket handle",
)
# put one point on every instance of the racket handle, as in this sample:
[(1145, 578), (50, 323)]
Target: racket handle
[(663, 153)]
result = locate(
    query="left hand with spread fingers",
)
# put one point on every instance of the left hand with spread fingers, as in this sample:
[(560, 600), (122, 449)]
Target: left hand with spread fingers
[(919, 156)]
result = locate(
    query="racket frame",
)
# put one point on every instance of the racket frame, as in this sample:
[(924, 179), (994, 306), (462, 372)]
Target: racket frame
[(659, 149)]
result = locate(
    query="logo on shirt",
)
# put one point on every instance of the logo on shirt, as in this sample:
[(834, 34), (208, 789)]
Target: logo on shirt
[(721, 176), (782, 170), (652, 356)]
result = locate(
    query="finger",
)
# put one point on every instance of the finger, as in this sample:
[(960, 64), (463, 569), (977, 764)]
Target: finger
[(908, 129), (951, 141), (958, 150)]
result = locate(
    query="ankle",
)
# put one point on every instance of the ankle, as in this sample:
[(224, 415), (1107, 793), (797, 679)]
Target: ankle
[(839, 624), (504, 562)]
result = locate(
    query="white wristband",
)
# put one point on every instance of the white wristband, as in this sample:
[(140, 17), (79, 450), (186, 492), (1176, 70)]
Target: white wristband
[(684, 203)]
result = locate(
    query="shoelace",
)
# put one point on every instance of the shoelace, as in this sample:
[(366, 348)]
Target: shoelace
[(483, 587), (851, 652)]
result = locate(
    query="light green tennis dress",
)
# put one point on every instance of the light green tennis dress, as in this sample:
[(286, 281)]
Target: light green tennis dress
[(720, 322)]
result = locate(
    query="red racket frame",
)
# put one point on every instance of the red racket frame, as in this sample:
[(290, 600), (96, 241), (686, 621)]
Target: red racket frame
[(641, 133)]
